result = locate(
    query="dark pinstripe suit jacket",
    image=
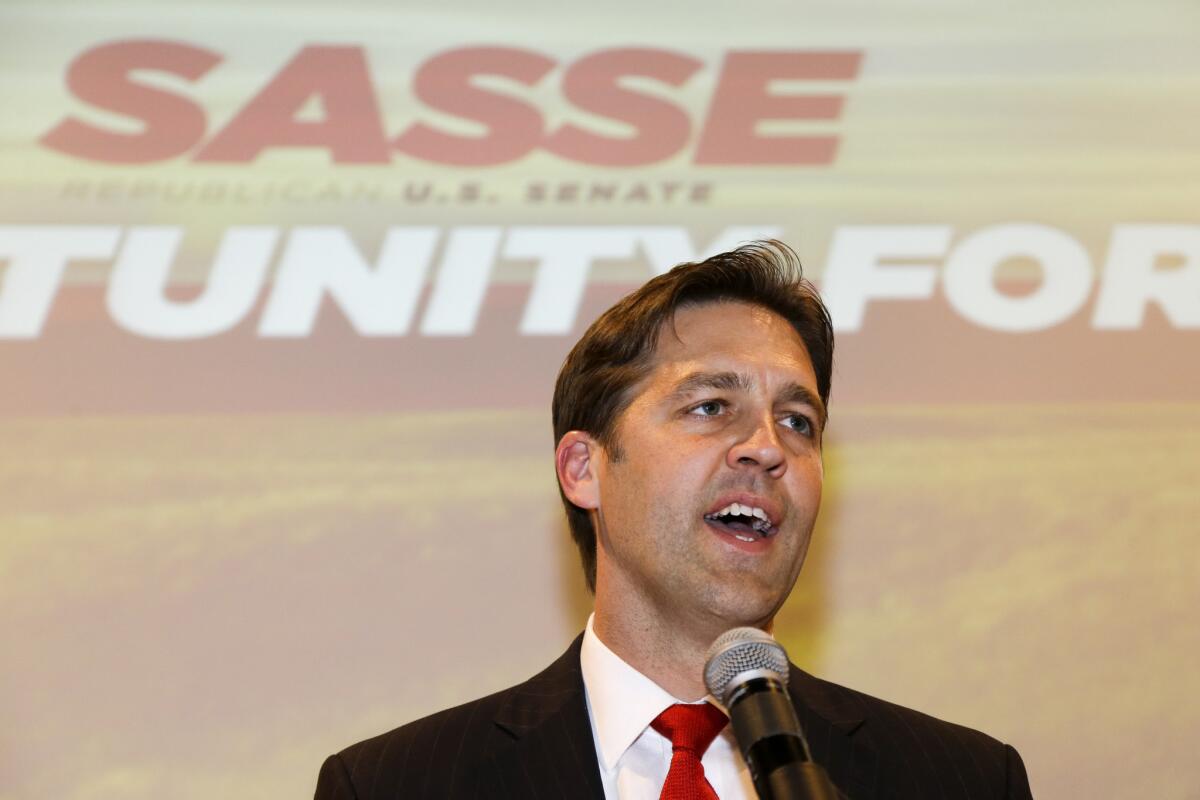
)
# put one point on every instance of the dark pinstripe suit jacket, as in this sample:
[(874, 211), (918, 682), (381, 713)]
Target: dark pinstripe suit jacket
[(535, 741)]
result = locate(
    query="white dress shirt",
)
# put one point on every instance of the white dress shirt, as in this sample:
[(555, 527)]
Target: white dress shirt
[(633, 757)]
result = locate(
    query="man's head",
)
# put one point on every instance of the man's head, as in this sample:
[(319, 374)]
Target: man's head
[(706, 385)]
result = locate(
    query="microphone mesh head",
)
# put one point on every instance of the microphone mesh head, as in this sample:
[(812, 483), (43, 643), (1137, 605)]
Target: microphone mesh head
[(742, 650)]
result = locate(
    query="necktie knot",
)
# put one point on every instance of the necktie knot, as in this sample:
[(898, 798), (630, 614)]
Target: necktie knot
[(691, 729), (690, 726)]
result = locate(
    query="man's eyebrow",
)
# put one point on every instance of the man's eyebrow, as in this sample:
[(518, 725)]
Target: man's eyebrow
[(795, 393), (733, 381), (721, 381)]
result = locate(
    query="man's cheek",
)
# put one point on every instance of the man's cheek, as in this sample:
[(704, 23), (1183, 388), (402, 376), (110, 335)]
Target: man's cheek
[(816, 471)]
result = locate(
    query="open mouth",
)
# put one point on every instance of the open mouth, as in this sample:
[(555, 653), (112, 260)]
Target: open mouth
[(746, 523)]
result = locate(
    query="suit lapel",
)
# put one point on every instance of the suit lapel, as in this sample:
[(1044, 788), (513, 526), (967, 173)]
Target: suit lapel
[(554, 754), (830, 724)]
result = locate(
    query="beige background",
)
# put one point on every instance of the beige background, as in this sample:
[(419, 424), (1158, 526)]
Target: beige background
[(222, 559)]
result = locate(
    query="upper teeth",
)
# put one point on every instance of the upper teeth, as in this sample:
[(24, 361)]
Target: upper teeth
[(737, 509), (762, 522)]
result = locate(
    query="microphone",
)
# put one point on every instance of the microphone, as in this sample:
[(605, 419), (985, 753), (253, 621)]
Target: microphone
[(746, 669)]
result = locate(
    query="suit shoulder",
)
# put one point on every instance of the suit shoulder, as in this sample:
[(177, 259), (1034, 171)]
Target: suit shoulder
[(425, 757), (895, 714), (442, 755), (441, 726), (959, 760)]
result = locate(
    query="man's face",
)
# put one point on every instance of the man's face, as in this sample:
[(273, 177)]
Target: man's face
[(709, 510)]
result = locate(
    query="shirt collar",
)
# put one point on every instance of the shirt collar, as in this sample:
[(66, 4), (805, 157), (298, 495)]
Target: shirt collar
[(622, 700)]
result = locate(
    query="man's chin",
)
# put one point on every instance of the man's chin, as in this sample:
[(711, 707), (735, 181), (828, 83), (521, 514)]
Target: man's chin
[(745, 605)]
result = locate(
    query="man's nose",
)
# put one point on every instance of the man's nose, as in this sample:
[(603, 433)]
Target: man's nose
[(759, 449)]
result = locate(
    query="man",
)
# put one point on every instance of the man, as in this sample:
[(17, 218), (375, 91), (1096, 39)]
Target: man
[(689, 421)]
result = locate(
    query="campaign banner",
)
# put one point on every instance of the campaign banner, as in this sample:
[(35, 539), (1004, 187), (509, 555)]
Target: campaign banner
[(284, 292)]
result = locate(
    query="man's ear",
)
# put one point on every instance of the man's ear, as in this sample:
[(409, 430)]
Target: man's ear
[(575, 462)]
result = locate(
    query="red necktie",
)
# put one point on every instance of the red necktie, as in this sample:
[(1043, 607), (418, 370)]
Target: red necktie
[(691, 729)]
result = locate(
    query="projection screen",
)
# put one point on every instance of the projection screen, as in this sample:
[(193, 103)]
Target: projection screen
[(284, 289)]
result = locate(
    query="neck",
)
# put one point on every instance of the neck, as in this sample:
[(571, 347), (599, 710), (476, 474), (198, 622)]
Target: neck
[(668, 648)]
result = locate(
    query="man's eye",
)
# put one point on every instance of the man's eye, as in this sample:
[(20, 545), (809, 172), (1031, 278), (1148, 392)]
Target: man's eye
[(799, 423), (709, 408)]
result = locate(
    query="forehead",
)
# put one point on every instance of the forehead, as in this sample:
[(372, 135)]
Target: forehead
[(734, 336)]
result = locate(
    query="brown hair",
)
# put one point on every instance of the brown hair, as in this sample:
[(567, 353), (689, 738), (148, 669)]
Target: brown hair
[(595, 384)]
